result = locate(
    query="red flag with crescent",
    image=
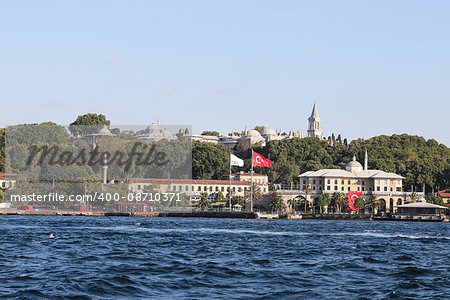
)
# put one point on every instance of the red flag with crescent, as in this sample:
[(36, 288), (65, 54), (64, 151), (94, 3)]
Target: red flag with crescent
[(261, 161), (352, 196)]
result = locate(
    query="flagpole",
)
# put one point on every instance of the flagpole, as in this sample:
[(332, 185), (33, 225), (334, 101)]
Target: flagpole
[(251, 188), (229, 193)]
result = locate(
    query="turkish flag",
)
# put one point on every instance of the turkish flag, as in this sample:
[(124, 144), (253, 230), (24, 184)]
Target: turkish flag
[(352, 196), (261, 161)]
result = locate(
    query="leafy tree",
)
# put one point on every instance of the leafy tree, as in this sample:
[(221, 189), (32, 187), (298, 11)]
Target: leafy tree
[(219, 197), (213, 133), (257, 195), (359, 203), (203, 204), (277, 203), (95, 122), (339, 201), (209, 161), (2, 196), (259, 128), (324, 200), (434, 199)]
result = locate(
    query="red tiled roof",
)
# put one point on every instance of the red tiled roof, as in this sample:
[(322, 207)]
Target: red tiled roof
[(444, 193), (190, 181)]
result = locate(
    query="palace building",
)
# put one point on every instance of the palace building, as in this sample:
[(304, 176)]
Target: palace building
[(388, 187)]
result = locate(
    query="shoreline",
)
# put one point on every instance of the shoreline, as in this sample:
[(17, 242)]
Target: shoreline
[(230, 215)]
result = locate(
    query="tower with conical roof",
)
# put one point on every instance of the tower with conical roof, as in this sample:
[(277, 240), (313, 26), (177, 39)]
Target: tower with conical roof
[(315, 123)]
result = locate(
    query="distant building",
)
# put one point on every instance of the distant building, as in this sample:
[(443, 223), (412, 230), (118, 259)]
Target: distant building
[(257, 178), (315, 124), (445, 195), (355, 177), (154, 133), (193, 188)]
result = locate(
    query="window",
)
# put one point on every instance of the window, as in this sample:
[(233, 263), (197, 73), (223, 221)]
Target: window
[(217, 188), (210, 188), (234, 189), (304, 181), (342, 181), (363, 183), (357, 189), (320, 188), (314, 181), (239, 189), (174, 188), (139, 186), (378, 188), (385, 188), (314, 187), (328, 187), (222, 189), (180, 188), (335, 187), (199, 188), (335, 181), (349, 182), (342, 188), (399, 189), (392, 188), (370, 188), (363, 188), (328, 181), (193, 188), (205, 188), (348, 189)]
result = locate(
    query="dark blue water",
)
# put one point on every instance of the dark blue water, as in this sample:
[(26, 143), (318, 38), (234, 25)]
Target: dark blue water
[(112, 257)]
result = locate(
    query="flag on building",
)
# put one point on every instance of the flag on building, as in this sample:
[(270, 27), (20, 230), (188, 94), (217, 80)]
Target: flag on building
[(236, 161), (261, 161), (352, 196)]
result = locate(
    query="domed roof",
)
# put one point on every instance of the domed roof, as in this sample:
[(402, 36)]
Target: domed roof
[(268, 131), (354, 166), (105, 131), (254, 134), (153, 126)]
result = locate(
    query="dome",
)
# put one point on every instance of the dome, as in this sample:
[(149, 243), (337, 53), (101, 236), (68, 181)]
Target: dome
[(354, 166), (105, 131), (268, 131), (153, 126), (254, 134)]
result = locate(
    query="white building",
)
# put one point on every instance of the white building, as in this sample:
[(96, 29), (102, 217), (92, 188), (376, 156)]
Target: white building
[(387, 186), (193, 188)]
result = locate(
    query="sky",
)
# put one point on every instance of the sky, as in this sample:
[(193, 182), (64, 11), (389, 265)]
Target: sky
[(374, 67)]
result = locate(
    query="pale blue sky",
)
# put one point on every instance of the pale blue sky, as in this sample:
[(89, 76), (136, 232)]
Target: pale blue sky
[(375, 67)]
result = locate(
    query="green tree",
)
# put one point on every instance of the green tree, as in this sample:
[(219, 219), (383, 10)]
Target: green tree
[(359, 203), (213, 133), (259, 128), (209, 161), (95, 122), (204, 204), (277, 203), (339, 201), (324, 200), (2, 196), (257, 195)]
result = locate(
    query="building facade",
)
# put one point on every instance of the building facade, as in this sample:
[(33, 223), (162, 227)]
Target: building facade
[(194, 188), (388, 187)]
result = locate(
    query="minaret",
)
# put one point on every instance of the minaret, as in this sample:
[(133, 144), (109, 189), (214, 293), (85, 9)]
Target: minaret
[(159, 123), (315, 123), (366, 161), (245, 131)]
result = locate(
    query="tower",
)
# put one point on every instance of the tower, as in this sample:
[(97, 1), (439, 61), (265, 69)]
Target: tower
[(315, 124), (366, 161)]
